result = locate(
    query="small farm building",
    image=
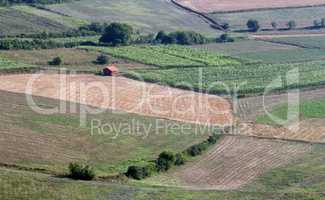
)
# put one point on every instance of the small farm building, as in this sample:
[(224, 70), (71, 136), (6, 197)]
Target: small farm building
[(110, 70)]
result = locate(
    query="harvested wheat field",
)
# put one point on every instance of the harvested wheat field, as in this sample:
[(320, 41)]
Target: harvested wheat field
[(234, 162), (309, 130), (240, 5), (125, 95)]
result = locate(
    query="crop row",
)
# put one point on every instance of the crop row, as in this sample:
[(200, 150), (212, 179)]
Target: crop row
[(247, 78), (167, 56)]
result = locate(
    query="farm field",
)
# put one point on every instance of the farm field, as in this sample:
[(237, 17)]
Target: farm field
[(233, 163), (228, 5), (304, 17), (15, 22), (73, 59), (128, 96), (7, 64), (265, 52), (307, 109), (51, 142), (168, 56), (316, 42), (146, 15), (252, 78)]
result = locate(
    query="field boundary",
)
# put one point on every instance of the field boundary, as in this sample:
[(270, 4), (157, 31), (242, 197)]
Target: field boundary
[(266, 9)]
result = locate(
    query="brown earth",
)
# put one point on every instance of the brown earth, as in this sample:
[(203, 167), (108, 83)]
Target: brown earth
[(207, 6), (235, 162), (310, 130), (122, 94)]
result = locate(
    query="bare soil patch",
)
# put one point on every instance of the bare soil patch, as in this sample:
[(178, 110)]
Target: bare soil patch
[(241, 5), (236, 161), (126, 95)]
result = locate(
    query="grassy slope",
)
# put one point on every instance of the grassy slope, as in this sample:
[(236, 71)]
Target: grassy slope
[(303, 179), (15, 22), (146, 15), (308, 109), (11, 64), (59, 139), (303, 17), (65, 20)]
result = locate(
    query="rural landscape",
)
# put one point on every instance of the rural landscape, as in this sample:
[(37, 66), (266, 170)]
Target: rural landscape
[(162, 99)]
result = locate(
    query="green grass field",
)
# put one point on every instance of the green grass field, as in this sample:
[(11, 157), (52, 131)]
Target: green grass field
[(145, 16), (167, 56), (253, 78), (303, 17), (51, 142), (15, 21), (6, 64), (67, 21), (307, 109)]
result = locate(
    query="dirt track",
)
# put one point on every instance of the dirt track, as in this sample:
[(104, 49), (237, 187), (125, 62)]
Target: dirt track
[(126, 95), (234, 162), (240, 5)]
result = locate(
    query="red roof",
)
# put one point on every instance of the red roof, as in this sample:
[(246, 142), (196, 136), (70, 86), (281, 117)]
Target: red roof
[(112, 68)]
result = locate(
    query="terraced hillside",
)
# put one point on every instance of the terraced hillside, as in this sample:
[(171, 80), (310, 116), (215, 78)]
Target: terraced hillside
[(145, 15)]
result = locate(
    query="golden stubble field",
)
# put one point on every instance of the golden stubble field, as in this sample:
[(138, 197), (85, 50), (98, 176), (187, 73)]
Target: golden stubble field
[(126, 95)]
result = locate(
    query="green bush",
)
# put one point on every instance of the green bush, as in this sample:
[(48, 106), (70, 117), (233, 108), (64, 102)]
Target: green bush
[(225, 38), (102, 60), (214, 138), (56, 61), (253, 25), (81, 172), (179, 159), (138, 172), (165, 161)]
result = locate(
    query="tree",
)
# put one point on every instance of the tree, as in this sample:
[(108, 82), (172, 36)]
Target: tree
[(165, 161), (81, 172), (102, 59), (225, 38), (117, 34), (291, 25), (274, 25), (253, 25), (160, 36), (138, 172), (56, 61), (225, 26)]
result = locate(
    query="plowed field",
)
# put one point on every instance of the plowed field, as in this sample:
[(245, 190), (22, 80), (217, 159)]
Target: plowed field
[(126, 95), (239, 5), (235, 162)]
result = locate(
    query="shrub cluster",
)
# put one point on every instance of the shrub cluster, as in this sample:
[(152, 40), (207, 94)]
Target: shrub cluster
[(10, 44), (198, 149), (225, 38), (180, 37), (81, 172)]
